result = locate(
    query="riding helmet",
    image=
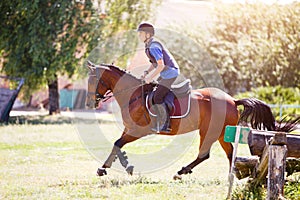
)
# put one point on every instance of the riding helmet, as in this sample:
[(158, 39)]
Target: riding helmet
[(146, 27)]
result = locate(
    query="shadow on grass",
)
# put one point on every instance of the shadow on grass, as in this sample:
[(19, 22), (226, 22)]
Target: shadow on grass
[(108, 182), (48, 120), (117, 182)]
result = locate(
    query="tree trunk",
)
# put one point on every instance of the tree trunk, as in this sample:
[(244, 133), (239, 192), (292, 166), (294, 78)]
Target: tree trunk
[(53, 96)]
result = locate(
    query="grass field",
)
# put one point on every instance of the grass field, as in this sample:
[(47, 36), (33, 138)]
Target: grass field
[(44, 158)]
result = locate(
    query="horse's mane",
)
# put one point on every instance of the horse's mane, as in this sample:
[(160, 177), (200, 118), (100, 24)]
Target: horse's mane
[(121, 72)]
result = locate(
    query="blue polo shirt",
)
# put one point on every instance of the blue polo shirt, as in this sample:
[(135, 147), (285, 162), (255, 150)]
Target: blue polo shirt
[(158, 52)]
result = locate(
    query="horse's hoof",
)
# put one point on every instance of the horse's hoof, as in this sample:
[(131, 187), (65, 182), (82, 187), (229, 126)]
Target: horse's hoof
[(129, 170), (101, 172), (177, 177)]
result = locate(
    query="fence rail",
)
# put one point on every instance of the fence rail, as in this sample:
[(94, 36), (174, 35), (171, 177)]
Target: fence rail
[(283, 106)]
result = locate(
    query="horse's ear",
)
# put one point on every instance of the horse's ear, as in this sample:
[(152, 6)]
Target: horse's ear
[(91, 66)]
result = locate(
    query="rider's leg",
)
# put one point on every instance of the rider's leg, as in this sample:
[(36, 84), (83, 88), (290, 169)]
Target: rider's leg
[(161, 91), (163, 119)]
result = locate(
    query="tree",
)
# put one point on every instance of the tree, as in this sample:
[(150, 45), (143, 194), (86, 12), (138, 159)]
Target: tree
[(252, 45), (256, 45), (43, 39)]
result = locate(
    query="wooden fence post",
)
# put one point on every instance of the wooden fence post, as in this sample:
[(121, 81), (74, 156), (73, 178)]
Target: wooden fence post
[(276, 169)]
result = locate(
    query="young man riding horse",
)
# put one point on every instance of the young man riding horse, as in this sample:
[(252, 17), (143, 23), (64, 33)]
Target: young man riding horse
[(162, 64), (211, 108)]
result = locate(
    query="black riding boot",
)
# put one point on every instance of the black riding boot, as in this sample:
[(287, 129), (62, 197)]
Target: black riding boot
[(162, 119)]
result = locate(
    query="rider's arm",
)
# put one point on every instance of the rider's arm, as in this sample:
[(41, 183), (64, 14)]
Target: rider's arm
[(146, 72), (158, 69), (156, 52), (151, 68)]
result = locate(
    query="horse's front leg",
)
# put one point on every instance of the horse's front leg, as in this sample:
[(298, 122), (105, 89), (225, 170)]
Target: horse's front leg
[(117, 153), (108, 163)]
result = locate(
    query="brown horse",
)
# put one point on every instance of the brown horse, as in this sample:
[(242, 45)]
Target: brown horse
[(211, 111)]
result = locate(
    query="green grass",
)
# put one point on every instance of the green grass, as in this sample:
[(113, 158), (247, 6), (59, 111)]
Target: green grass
[(43, 158), (292, 188), (251, 192)]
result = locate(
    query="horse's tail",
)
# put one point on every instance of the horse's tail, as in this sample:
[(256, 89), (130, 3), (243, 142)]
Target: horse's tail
[(260, 116)]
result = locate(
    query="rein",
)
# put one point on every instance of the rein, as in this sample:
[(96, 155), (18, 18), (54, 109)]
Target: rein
[(105, 97)]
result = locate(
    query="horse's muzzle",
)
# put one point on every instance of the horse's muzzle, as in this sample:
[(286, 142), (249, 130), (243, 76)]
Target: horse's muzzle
[(90, 103)]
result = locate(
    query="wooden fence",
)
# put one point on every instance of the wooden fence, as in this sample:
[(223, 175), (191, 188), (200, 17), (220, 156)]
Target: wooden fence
[(273, 154)]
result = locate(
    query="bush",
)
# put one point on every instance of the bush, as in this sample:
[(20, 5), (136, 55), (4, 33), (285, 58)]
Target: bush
[(278, 96)]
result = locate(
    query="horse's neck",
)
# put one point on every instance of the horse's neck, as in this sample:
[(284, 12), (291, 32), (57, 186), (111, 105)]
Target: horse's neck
[(128, 88), (124, 86), (125, 82)]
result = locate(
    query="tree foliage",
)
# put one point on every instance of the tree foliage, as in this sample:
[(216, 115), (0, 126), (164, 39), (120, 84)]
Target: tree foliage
[(40, 38), (254, 45), (43, 39)]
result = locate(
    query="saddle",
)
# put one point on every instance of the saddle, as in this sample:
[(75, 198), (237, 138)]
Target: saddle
[(178, 99)]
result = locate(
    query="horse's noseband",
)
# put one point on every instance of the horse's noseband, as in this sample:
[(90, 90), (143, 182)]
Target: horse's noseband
[(102, 97), (99, 97)]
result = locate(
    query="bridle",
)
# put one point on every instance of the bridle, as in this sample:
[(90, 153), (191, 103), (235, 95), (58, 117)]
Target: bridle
[(100, 97), (104, 97)]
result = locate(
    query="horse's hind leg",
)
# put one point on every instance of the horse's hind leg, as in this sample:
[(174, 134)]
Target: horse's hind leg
[(188, 169), (204, 154), (227, 147), (204, 150)]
